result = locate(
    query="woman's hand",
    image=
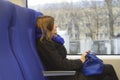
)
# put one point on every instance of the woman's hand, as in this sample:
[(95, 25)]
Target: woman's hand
[(83, 56)]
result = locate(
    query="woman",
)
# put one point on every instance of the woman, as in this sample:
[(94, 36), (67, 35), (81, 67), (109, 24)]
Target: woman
[(53, 53)]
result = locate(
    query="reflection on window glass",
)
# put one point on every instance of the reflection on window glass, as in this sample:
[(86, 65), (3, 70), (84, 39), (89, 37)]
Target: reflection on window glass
[(85, 24)]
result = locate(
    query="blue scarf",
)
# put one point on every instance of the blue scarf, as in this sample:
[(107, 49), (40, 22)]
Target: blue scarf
[(57, 38)]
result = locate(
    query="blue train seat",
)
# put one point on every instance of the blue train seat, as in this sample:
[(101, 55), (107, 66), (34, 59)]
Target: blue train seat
[(9, 67), (22, 33), (18, 57)]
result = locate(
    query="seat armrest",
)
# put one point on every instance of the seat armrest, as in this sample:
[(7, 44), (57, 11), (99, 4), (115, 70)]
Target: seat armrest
[(58, 73)]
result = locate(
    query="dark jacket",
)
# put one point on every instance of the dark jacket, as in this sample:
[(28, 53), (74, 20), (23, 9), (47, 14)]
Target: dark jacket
[(53, 56)]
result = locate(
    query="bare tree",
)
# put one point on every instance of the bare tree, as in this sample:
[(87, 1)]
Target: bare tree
[(111, 21)]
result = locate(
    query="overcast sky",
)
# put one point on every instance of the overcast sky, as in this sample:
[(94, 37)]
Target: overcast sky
[(35, 2)]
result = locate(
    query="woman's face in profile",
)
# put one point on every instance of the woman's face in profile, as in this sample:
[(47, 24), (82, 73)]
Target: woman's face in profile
[(54, 31)]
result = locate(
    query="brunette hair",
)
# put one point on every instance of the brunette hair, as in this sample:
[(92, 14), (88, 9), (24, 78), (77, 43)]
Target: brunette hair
[(45, 23)]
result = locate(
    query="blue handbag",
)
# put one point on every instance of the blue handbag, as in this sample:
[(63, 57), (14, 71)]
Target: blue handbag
[(92, 65)]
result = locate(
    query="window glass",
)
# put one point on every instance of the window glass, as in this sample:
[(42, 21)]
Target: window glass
[(19, 2), (85, 24)]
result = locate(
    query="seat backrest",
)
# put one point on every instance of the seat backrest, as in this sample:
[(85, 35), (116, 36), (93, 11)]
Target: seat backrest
[(18, 56), (9, 67), (22, 40)]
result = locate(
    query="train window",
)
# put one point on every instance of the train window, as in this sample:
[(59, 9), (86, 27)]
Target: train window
[(85, 24), (22, 3)]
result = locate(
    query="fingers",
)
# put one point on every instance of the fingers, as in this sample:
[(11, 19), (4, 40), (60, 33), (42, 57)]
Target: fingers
[(87, 51), (84, 55)]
